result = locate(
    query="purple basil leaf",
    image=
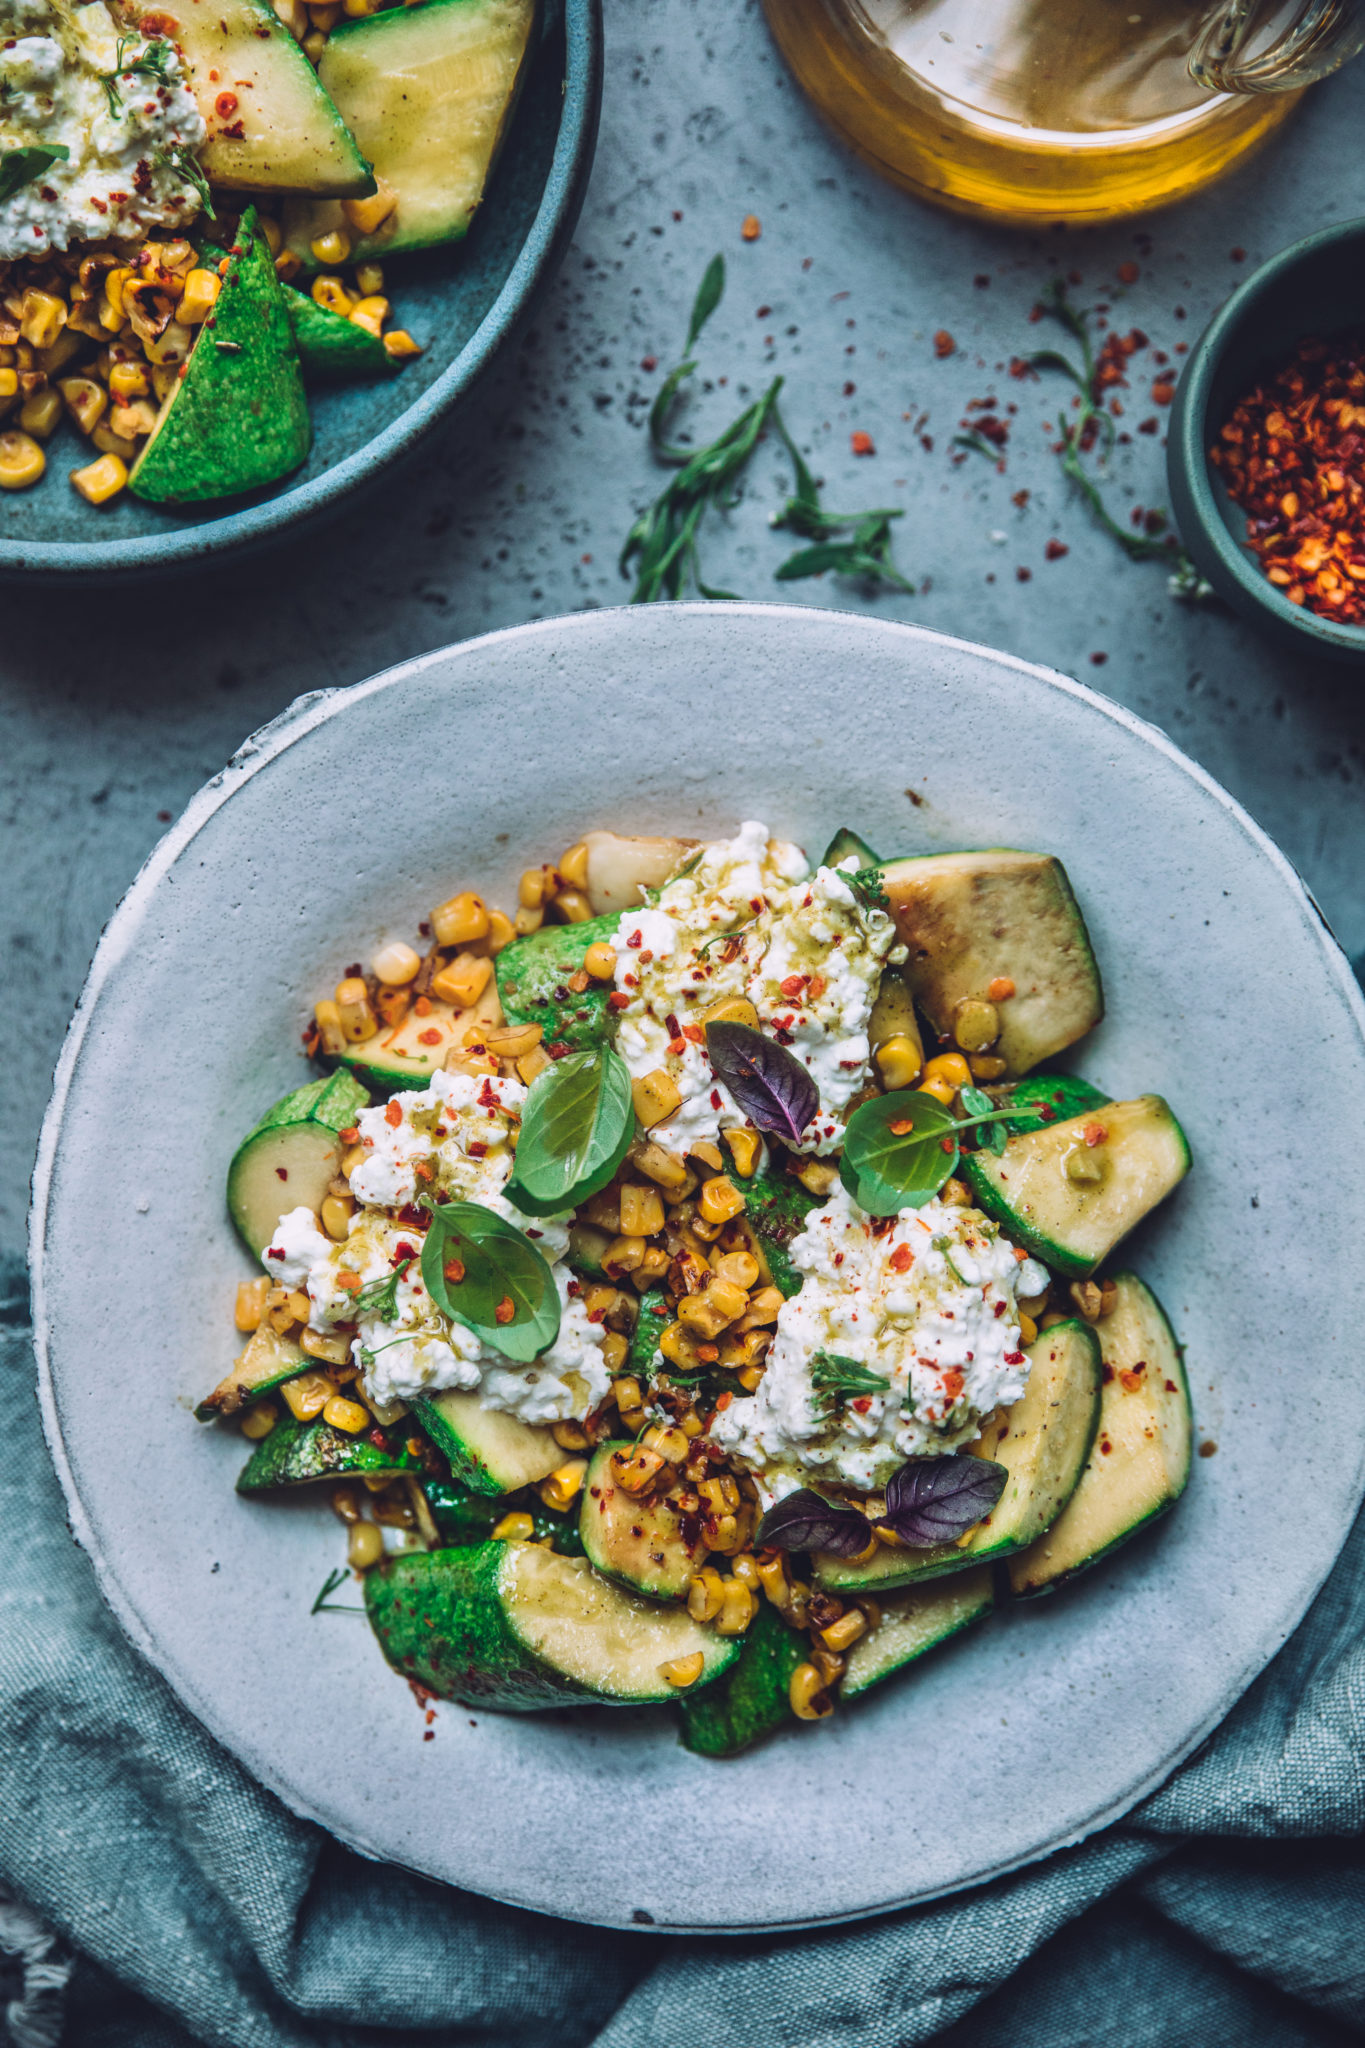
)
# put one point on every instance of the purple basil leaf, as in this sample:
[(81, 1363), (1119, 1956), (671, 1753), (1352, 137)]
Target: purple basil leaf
[(936, 1500), (807, 1521), (771, 1086)]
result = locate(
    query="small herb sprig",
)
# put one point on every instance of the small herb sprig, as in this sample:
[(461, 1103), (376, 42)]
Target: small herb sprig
[(325, 1604), (661, 546), (836, 1377), (151, 62), (181, 161), (1093, 425), (380, 1297)]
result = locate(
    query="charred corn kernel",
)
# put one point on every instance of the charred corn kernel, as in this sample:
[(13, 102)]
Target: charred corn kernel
[(331, 1037), (314, 43), (527, 920), (307, 1395), (684, 1671), (358, 1021), (898, 1061), (22, 462), (570, 1436), (1028, 1329), (668, 1169), (270, 232), (459, 919), (517, 1527), (709, 1154), (565, 1484), (573, 865), (626, 1391), (463, 981), (955, 1194), (705, 1595), (132, 420), (737, 1608), (536, 888), (371, 212), (325, 1346), (1089, 1299), (501, 932), (332, 248), (108, 443), (739, 1269), (336, 1213), (287, 265), (772, 1577), (623, 1254), (278, 1312), (172, 345), (250, 1304), (346, 1504), (85, 400), (652, 1267), (573, 906), (679, 1346), (399, 344), (129, 380), (750, 1377), (41, 317), (763, 1308), (976, 1024), (719, 1200), (744, 1146), (745, 1568), (350, 1416), (40, 412), (669, 1442), (1083, 1166), (369, 276), (396, 964), (615, 1349), (714, 1309), (947, 1070), (843, 1633), (817, 1176), (691, 1424), (259, 1419), (642, 1210), (510, 1041), (732, 1010), (9, 388), (807, 1694), (636, 1470), (828, 1665), (987, 1067), (331, 294), (111, 313), (655, 1096), (364, 1546), (532, 1063), (370, 314)]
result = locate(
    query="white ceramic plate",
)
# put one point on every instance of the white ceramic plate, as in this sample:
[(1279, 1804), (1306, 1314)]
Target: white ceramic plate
[(344, 822)]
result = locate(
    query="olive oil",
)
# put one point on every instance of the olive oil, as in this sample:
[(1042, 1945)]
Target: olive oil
[(1026, 110)]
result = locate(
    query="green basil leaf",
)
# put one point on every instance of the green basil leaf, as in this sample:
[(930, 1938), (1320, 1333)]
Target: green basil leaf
[(576, 1128), (475, 1262), (894, 1156), (19, 167), (975, 1101), (709, 295)]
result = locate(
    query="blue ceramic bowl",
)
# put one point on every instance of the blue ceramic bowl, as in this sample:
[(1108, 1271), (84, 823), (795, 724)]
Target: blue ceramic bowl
[(463, 303), (1315, 287)]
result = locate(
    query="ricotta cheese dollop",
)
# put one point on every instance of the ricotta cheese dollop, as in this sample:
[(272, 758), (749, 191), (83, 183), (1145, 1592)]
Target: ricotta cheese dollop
[(448, 1140), (64, 84), (746, 917), (926, 1300)]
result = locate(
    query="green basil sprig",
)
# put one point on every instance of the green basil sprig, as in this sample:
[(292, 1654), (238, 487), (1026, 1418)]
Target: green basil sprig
[(833, 1375), (481, 1271), (575, 1131), (899, 1149), (19, 167)]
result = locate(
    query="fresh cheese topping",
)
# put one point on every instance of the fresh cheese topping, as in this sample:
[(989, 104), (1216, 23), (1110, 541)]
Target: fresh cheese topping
[(127, 137), (926, 1300), (449, 1140), (746, 918)]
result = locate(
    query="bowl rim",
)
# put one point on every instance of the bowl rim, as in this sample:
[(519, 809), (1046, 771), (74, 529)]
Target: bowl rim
[(253, 525), (1187, 464)]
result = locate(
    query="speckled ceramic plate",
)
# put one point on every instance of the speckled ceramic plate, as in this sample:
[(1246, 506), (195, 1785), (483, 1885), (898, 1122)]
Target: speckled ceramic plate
[(1226, 992), (462, 303)]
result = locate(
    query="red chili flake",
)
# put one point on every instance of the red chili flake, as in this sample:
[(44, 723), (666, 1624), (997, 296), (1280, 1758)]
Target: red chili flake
[(1131, 1377), (944, 345), (947, 1145), (454, 1270), (715, 1098), (901, 1259), (1055, 549), (618, 1000), (862, 1404), (1163, 391), (672, 1026), (423, 1171), (505, 1310), (225, 104), (792, 986), (431, 1037), (1105, 1446), (477, 1149), (1094, 1134), (1128, 272), (393, 1114), (723, 1400), (487, 1098), (1014, 1358), (1023, 575), (750, 227), (1098, 660), (636, 940), (351, 1135), (900, 1125), (953, 1382), (281, 1173), (861, 443)]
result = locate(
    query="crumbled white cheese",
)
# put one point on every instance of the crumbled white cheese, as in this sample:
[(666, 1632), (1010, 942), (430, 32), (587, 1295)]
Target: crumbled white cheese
[(123, 174), (925, 1299), (745, 917)]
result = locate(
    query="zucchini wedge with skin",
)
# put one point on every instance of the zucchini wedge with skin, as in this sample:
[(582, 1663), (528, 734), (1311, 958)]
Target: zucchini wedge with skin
[(1070, 1197), (1045, 1099), (752, 1698), (330, 347), (1141, 1456), (488, 1451), (1043, 1444), (406, 1055), (463, 1518), (428, 93), (303, 1453), (776, 1206), (287, 1161), (847, 844), (267, 1362), (514, 1627), (651, 1321), (915, 1621), (973, 918), (533, 975), (644, 1546)]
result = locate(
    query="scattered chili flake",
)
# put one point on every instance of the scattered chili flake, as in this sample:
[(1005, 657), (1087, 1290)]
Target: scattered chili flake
[(351, 1135), (861, 443), (454, 1270), (477, 1149), (1001, 989), (505, 1310), (1128, 272), (751, 227), (901, 1126), (429, 1037), (1207, 1448), (617, 1000), (1055, 549), (422, 1006), (1023, 575), (393, 1114), (1098, 660), (901, 1259), (1094, 1134), (225, 104), (944, 345)]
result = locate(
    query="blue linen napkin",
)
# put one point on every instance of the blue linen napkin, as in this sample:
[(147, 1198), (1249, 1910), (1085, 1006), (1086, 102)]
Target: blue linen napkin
[(155, 1894)]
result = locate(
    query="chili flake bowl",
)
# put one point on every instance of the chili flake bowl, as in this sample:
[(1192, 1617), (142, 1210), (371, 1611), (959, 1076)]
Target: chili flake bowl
[(1315, 287), (1056, 1715)]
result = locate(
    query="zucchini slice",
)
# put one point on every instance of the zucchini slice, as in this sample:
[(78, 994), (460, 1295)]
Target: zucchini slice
[(776, 1206), (752, 1698), (1074, 1223), (1043, 1446), (269, 1360), (302, 1453), (411, 1052), (645, 1547), (972, 918), (1045, 1099), (281, 133), (427, 93), (513, 1626), (330, 346), (651, 1320), (915, 1621), (1141, 1456), (287, 1161), (462, 1517), (845, 842), (533, 977), (489, 1452), (621, 869)]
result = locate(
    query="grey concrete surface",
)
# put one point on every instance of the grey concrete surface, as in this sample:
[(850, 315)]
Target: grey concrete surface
[(115, 705)]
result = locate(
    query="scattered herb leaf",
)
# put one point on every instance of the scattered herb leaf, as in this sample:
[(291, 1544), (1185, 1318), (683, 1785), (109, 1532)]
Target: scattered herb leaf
[(993, 1136), (151, 62), (576, 1128), (325, 1604), (19, 167), (805, 1520), (834, 1375), (481, 1271), (936, 1500), (899, 1149), (776, 1093), (380, 1297), (869, 886)]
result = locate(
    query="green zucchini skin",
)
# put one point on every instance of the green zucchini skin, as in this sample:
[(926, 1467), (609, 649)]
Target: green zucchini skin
[(467, 1518), (302, 1453), (532, 974), (776, 1206), (650, 1324), (320, 1109), (268, 1361), (488, 1452), (1064, 1095), (751, 1699), (915, 1621), (331, 348), (845, 842), (439, 1619), (642, 1547)]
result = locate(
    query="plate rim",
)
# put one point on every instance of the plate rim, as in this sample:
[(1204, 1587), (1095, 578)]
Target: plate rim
[(297, 506), (266, 745)]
